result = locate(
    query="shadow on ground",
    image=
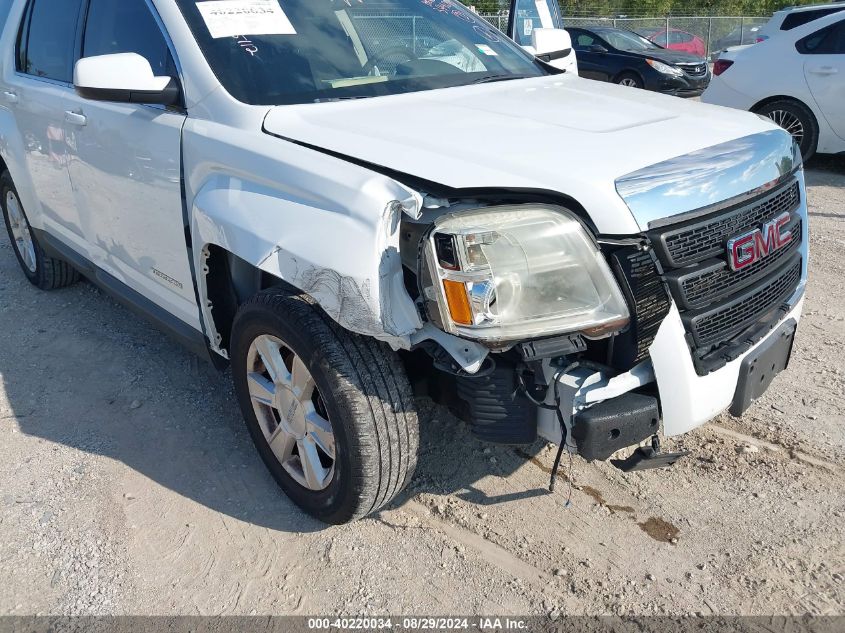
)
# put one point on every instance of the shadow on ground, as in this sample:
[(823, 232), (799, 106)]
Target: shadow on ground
[(78, 369)]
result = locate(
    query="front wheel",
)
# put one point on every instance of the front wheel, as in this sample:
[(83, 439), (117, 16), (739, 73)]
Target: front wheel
[(330, 412), (629, 80)]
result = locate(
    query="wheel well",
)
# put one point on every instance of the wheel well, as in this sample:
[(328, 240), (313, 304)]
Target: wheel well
[(230, 281), (763, 103), (629, 71)]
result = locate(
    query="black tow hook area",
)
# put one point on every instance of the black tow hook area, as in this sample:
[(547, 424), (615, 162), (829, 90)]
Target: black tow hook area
[(615, 424), (646, 458)]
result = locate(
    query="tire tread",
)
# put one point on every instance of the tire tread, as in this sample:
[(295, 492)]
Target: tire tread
[(50, 273), (377, 394)]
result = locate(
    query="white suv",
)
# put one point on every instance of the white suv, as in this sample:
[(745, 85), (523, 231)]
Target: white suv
[(797, 80), (793, 17), (342, 198)]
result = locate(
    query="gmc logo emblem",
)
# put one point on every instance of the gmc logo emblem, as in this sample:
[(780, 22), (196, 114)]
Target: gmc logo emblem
[(753, 246)]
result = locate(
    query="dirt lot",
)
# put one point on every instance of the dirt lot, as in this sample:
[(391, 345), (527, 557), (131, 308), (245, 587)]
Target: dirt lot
[(128, 485)]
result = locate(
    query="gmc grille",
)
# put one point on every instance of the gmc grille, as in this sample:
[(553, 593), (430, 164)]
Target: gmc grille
[(714, 325), (706, 238), (701, 284), (724, 311)]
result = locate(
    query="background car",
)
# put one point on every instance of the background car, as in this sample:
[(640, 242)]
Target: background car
[(625, 58), (740, 36), (793, 17), (677, 40), (795, 79)]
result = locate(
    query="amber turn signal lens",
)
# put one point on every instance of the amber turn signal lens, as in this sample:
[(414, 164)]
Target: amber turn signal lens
[(456, 297), (607, 328)]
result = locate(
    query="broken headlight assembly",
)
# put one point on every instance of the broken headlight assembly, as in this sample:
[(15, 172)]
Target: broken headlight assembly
[(512, 273)]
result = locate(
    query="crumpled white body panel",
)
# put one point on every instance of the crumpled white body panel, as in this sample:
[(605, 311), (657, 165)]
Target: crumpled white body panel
[(325, 226)]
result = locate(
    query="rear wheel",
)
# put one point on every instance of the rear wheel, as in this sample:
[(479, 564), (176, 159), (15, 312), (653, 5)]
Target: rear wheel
[(798, 120), (48, 273), (330, 412), (630, 80)]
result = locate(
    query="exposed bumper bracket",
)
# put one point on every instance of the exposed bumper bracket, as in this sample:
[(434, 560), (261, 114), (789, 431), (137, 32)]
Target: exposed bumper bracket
[(646, 458)]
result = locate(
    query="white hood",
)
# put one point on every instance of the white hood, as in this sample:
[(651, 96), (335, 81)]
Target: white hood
[(561, 133)]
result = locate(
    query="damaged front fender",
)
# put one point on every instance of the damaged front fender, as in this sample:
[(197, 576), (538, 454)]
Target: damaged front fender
[(326, 227), (349, 266)]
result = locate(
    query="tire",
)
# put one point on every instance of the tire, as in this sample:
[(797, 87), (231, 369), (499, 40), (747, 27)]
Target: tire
[(632, 80), (358, 386), (798, 120), (47, 273)]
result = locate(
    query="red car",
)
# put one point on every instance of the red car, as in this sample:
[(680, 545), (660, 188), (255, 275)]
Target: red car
[(679, 41)]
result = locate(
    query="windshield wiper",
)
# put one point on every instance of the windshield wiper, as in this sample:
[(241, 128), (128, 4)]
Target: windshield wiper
[(489, 79), (346, 98)]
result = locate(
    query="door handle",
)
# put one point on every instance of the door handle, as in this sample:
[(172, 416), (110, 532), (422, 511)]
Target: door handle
[(10, 96), (75, 118), (824, 70)]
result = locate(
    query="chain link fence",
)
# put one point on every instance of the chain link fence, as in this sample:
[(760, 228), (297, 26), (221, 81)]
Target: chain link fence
[(704, 36)]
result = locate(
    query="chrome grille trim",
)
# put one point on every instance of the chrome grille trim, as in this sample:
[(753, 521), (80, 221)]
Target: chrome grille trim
[(694, 70), (709, 179)]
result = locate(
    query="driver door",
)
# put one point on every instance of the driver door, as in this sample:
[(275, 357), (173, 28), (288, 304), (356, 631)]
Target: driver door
[(527, 17), (592, 55), (126, 167)]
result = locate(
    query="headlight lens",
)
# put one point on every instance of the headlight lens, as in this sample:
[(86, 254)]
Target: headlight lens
[(511, 273), (665, 69)]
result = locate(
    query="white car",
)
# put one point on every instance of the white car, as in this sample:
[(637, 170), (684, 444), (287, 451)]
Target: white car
[(796, 79), (341, 199), (793, 17)]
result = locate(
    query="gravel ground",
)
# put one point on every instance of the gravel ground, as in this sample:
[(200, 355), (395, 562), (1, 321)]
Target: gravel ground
[(128, 485)]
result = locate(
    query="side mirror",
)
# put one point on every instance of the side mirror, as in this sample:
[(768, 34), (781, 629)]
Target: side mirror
[(549, 44), (597, 48), (124, 78)]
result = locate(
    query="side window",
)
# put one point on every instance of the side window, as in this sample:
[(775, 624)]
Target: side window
[(584, 41), (828, 41), (800, 18), (126, 26), (47, 43)]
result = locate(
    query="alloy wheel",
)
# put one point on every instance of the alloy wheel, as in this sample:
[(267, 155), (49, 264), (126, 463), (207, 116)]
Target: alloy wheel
[(291, 412), (789, 122), (628, 81), (21, 234)]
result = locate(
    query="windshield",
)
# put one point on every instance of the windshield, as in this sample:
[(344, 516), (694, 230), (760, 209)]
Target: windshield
[(273, 52), (627, 41)]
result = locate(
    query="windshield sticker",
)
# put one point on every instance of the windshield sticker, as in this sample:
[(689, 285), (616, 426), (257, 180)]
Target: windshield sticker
[(233, 18), (528, 27), (483, 48)]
